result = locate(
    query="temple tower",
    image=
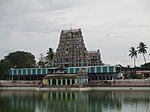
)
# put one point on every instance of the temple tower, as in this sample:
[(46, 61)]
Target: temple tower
[(71, 50)]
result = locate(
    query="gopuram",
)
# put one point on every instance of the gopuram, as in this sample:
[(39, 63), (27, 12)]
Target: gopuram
[(71, 51)]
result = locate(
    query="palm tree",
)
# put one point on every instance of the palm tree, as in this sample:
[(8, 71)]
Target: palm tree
[(142, 49), (133, 54), (49, 57)]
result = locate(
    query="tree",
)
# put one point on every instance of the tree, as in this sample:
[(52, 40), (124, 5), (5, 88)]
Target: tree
[(142, 49), (136, 76), (146, 66), (21, 59), (49, 57), (41, 62), (4, 68), (133, 54)]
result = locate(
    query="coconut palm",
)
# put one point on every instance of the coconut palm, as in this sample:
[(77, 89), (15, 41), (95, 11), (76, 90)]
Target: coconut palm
[(142, 49), (133, 54), (49, 57)]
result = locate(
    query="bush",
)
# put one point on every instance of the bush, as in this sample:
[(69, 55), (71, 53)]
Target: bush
[(136, 76)]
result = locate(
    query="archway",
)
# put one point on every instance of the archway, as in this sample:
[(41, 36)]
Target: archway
[(59, 82), (73, 81), (68, 82), (64, 82), (54, 82)]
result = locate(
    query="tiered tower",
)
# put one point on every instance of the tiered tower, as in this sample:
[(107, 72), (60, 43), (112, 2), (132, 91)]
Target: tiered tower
[(94, 58), (71, 51)]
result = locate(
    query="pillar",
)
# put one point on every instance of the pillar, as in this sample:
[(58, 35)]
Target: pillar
[(56, 81), (65, 81), (75, 81), (61, 81), (50, 81)]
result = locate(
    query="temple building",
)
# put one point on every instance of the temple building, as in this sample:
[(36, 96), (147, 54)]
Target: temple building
[(71, 51), (94, 58), (66, 79)]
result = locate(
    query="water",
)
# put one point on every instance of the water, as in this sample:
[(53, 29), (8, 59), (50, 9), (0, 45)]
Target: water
[(91, 101)]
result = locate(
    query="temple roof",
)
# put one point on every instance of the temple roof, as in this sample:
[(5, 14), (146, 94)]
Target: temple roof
[(60, 76)]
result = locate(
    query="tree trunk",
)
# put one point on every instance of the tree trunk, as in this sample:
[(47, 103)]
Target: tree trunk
[(144, 58), (134, 62)]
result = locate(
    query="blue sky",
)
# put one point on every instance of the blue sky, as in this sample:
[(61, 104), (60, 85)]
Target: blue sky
[(113, 26)]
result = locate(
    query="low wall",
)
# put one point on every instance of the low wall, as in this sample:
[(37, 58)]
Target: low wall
[(5, 83), (75, 89), (122, 83), (97, 84)]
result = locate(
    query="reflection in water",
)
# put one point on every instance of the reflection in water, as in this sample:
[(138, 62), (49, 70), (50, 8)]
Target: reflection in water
[(96, 101), (81, 101), (19, 101)]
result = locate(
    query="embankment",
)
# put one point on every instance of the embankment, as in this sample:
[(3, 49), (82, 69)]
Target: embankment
[(73, 88)]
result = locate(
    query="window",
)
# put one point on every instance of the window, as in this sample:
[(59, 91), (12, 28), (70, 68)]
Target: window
[(29, 71), (33, 71), (38, 71), (24, 71)]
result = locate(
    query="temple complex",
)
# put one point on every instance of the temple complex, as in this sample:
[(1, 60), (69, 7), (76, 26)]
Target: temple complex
[(71, 51)]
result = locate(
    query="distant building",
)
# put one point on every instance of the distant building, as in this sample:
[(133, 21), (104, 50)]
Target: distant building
[(94, 58), (71, 51), (104, 72)]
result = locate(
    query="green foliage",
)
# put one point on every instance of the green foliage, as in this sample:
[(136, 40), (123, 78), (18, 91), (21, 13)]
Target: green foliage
[(41, 62), (133, 53), (21, 59), (49, 57), (4, 68), (46, 61), (142, 49), (136, 76), (18, 59), (146, 66)]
